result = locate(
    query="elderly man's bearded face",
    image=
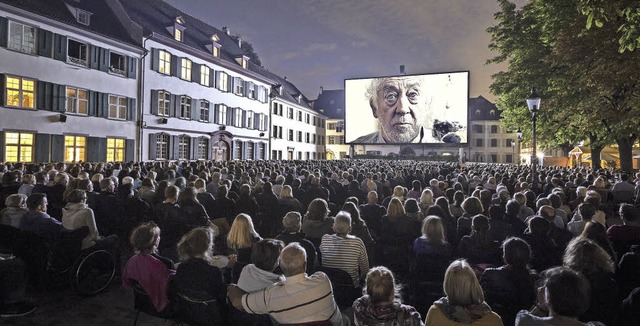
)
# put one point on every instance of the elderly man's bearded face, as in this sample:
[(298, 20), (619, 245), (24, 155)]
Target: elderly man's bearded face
[(401, 108)]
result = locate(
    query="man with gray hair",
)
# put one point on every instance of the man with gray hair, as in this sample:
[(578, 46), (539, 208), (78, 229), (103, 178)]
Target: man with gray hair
[(297, 299), (292, 224), (344, 251)]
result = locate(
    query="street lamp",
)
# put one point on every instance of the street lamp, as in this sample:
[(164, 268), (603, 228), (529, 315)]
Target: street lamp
[(513, 150), (533, 102), (519, 136)]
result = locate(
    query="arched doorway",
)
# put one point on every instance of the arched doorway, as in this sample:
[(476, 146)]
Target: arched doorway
[(330, 155), (221, 145)]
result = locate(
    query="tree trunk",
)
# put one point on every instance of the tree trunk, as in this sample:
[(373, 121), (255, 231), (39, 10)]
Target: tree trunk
[(595, 156), (625, 149)]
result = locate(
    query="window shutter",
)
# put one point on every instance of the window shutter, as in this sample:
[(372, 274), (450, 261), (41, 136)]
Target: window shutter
[(60, 47), (193, 148), (130, 150), (210, 113), (46, 89), (230, 84), (153, 140), (212, 78), (94, 57), (232, 121), (209, 151), (244, 119), (131, 109), (246, 88), (196, 76), (92, 103), (45, 43), (216, 111), (256, 121), (4, 31), (102, 149), (195, 109), (154, 101), (155, 59), (175, 63), (103, 109), (104, 60), (93, 155), (218, 74), (59, 98), (42, 145), (132, 67), (266, 123), (3, 144), (40, 94), (2, 90), (175, 106), (173, 153), (57, 148)]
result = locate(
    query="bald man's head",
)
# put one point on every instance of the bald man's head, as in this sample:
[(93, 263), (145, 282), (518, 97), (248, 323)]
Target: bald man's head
[(293, 259)]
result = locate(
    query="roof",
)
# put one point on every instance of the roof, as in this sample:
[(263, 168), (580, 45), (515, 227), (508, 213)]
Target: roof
[(289, 93), (330, 103), (481, 109), (103, 20), (156, 15)]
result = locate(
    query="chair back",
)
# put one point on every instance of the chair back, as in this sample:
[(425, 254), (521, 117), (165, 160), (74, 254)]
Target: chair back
[(199, 310), (66, 249), (343, 290)]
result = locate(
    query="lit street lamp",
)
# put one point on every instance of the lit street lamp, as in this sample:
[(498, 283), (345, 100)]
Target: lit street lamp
[(533, 102), (519, 136)]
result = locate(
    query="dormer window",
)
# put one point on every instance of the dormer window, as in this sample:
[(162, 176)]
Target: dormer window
[(299, 98), (243, 60), (177, 34), (83, 17), (492, 112), (177, 29), (214, 47), (477, 111)]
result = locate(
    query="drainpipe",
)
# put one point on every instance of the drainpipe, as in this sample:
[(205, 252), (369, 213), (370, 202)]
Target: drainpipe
[(140, 124)]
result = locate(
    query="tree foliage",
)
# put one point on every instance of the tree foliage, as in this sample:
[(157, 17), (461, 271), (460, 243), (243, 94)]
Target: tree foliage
[(590, 90), (624, 14), (248, 49)]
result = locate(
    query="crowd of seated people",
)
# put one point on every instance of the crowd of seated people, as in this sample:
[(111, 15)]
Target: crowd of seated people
[(488, 236)]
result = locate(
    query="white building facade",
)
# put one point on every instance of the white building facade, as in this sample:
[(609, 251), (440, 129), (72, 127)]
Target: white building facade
[(68, 83)]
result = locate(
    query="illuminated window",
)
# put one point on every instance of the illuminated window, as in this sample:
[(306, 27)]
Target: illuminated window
[(203, 148), (215, 51), (165, 62), (74, 148), (332, 140), (223, 82), (115, 149), (117, 107), (18, 147), (20, 92), (22, 38), (162, 147), (77, 52), (164, 102), (204, 75), (185, 69), (239, 86), (177, 35), (185, 107), (77, 101), (204, 111), (183, 147)]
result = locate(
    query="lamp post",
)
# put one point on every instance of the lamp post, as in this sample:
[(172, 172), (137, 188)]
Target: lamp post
[(513, 150), (533, 102), (519, 136)]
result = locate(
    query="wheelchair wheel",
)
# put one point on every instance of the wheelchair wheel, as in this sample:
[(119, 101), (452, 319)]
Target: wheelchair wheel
[(94, 272)]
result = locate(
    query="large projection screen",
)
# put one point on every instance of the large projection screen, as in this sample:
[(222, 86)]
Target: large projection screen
[(428, 108)]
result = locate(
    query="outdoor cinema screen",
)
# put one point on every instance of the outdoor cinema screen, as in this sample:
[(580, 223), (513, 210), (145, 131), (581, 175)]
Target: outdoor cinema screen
[(429, 108)]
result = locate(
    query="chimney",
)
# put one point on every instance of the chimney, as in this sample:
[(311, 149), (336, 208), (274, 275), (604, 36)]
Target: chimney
[(321, 90), (402, 69), (285, 77), (225, 29), (239, 42)]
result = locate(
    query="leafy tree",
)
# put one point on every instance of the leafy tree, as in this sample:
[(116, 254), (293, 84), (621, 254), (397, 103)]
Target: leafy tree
[(590, 90), (250, 52), (622, 14)]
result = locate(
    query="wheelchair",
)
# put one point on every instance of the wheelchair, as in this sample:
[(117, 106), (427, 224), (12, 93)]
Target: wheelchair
[(89, 271)]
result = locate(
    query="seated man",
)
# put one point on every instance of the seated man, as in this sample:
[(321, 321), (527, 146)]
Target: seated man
[(344, 251), (298, 298), (38, 221)]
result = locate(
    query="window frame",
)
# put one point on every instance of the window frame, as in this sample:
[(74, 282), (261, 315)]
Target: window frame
[(186, 69), (78, 61), (184, 144), (76, 101), (20, 146), (223, 82), (167, 103), (205, 73), (164, 62), (20, 92), (31, 47), (119, 107), (121, 70), (78, 149), (185, 107), (118, 147), (162, 146), (203, 148), (205, 111)]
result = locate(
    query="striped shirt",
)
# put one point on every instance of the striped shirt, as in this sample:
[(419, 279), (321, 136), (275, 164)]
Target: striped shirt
[(296, 299), (347, 254)]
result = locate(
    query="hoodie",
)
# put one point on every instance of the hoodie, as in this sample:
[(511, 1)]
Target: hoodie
[(253, 278), (75, 216)]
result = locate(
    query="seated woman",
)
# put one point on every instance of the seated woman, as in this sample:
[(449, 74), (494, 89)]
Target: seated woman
[(562, 298), (77, 214), (242, 236), (381, 303), (152, 272), (510, 288), (479, 247), (264, 258), (16, 208), (464, 301), (198, 283), (431, 250), (316, 221)]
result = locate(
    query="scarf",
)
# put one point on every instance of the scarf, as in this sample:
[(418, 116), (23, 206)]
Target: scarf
[(460, 314)]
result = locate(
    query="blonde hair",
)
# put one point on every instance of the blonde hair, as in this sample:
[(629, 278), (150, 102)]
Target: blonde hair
[(380, 286), (395, 209), (586, 256), (426, 198), (242, 232), (461, 285), (198, 242), (286, 192), (144, 238), (432, 230)]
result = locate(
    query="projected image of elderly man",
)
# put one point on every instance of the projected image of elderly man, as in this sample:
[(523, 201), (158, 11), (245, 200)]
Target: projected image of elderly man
[(402, 107)]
